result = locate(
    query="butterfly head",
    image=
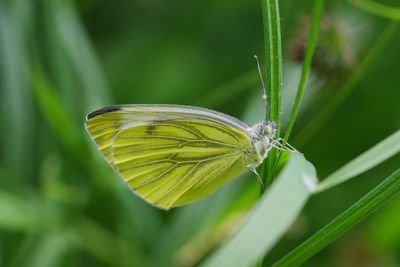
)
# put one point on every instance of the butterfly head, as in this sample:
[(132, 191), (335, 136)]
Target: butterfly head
[(263, 136), (269, 129), (265, 130)]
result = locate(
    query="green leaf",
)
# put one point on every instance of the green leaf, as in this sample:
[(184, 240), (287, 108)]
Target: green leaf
[(273, 57), (51, 248), (378, 9), (16, 111), (103, 244), (270, 218), (54, 111), (325, 113), (369, 159), (381, 194), (192, 221), (80, 51), (20, 213), (311, 44)]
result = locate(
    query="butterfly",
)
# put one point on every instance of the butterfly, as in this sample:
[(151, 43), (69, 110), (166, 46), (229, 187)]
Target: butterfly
[(173, 155)]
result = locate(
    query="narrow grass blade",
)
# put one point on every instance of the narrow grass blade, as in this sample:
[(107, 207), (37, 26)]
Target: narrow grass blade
[(270, 218), (378, 9), (190, 222), (56, 61), (317, 122), (273, 57), (311, 44), (369, 159), (15, 101), (55, 113), (51, 249), (24, 250), (19, 214), (103, 244), (383, 230), (380, 195), (81, 52)]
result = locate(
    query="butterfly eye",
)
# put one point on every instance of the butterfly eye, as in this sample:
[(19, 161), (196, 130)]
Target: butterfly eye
[(270, 129)]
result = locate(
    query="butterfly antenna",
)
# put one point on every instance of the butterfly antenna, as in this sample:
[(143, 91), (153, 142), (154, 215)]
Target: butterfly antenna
[(264, 96)]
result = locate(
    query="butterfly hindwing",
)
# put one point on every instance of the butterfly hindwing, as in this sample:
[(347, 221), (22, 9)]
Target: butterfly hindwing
[(170, 155)]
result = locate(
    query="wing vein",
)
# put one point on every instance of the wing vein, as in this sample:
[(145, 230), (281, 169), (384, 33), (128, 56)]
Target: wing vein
[(177, 184), (157, 177), (178, 139)]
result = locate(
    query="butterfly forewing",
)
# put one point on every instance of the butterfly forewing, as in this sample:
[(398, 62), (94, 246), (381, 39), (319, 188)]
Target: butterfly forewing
[(170, 155)]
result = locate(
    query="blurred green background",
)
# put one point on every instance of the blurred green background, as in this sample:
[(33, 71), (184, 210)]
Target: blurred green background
[(60, 202)]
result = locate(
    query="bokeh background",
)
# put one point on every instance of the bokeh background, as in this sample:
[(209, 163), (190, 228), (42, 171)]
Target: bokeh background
[(60, 202)]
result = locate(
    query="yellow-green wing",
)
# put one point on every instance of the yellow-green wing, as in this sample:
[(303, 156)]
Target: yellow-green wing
[(170, 155)]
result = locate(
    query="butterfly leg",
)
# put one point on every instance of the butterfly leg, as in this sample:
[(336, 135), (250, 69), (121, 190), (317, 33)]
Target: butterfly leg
[(278, 144), (258, 177)]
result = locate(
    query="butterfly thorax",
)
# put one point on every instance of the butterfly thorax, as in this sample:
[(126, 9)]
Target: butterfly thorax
[(262, 135)]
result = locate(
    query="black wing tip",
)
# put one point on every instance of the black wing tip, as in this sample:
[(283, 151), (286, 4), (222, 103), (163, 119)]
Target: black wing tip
[(102, 111)]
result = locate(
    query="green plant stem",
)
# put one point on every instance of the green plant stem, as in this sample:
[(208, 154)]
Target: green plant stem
[(311, 44), (273, 59), (308, 132), (378, 9), (380, 195)]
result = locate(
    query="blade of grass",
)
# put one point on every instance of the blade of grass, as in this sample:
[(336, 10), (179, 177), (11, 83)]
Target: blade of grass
[(377, 9), (56, 61), (273, 59), (375, 199), (24, 250), (188, 222), (316, 123), (229, 90), (270, 218), (82, 54), (50, 249), (103, 244), (383, 229), (20, 214), (15, 100), (311, 44), (55, 113), (369, 159)]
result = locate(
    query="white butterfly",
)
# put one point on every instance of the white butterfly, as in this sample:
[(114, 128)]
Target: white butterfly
[(172, 155)]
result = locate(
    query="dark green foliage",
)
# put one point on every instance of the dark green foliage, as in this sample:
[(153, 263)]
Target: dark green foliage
[(62, 205)]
